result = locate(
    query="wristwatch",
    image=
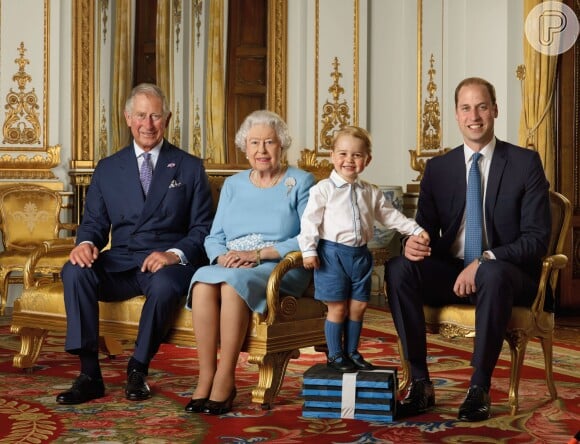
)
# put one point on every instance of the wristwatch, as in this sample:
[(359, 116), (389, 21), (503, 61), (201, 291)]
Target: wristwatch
[(483, 258)]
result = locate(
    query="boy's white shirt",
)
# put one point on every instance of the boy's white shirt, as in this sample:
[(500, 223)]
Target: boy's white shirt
[(345, 213)]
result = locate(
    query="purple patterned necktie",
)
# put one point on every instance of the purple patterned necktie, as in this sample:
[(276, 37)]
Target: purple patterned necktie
[(146, 172)]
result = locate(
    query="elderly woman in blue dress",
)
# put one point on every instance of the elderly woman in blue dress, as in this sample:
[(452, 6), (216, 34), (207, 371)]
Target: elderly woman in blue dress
[(256, 224)]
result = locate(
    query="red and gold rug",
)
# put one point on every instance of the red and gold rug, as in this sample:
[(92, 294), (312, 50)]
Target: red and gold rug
[(29, 413)]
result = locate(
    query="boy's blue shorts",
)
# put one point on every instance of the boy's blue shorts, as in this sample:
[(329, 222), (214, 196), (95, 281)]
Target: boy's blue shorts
[(344, 273)]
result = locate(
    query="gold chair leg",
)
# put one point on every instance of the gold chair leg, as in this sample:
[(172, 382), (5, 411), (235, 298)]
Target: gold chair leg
[(405, 377), (517, 341), (31, 340), (4, 290), (110, 346), (272, 368), (548, 353)]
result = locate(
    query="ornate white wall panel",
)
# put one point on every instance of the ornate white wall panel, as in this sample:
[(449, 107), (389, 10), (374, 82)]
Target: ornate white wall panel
[(26, 39)]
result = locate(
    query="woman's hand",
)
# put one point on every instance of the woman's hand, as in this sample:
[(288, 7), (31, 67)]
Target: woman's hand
[(238, 259)]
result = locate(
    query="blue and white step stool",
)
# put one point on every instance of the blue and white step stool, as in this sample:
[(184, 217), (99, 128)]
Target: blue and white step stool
[(369, 395)]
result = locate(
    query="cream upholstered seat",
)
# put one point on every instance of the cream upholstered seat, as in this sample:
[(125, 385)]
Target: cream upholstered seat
[(29, 214), (525, 322)]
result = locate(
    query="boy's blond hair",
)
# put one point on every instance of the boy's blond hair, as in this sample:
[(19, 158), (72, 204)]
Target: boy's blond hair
[(356, 132)]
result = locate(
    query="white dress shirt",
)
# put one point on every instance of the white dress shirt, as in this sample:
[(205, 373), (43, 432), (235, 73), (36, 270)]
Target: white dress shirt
[(345, 213), (154, 154)]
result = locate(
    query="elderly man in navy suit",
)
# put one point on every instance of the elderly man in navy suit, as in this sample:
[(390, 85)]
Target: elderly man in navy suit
[(513, 237), (154, 202)]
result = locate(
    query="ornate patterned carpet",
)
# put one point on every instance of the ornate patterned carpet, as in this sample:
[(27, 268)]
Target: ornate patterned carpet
[(29, 414)]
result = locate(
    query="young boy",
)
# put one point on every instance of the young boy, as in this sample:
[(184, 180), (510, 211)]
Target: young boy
[(336, 226)]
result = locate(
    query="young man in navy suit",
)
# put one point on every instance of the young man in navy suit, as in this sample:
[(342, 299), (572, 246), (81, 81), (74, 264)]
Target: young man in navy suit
[(515, 235), (157, 227)]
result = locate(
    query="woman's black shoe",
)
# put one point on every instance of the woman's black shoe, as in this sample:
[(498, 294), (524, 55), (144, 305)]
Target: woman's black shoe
[(212, 407), (195, 405)]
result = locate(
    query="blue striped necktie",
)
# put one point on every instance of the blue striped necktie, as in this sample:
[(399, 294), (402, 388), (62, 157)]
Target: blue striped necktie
[(473, 213), (146, 172)]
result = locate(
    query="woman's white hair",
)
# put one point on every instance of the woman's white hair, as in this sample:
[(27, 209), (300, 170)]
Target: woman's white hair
[(263, 117)]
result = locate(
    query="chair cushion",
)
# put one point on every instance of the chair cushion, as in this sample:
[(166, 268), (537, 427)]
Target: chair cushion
[(451, 320)]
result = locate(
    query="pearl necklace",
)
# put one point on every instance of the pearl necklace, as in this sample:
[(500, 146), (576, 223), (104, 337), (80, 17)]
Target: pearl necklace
[(256, 182)]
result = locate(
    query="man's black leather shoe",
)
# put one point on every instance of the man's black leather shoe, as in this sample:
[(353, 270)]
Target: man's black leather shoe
[(137, 388), (84, 389), (341, 364), (420, 398), (359, 361), (476, 406)]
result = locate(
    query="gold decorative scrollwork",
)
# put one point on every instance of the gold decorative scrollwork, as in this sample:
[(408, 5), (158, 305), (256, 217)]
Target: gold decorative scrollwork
[(177, 22), (176, 139), (104, 18), (454, 331), (197, 10), (288, 307), (30, 216), (103, 134), (309, 162), (335, 114), (431, 114), (22, 125), (430, 135), (196, 145), (24, 167), (517, 338)]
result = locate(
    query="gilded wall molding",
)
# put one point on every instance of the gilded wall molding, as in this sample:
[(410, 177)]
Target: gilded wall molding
[(103, 133), (82, 151), (25, 166), (196, 139), (197, 9), (355, 62), (25, 127), (27, 154), (177, 10), (428, 112), (576, 253), (176, 130), (332, 111), (22, 125), (277, 57), (335, 113), (104, 18)]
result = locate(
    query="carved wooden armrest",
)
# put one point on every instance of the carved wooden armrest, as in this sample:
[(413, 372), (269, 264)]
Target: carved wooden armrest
[(290, 261), (550, 268), (69, 226), (55, 247)]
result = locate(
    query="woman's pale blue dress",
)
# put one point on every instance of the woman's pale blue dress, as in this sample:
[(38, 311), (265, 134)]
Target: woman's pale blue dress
[(248, 218)]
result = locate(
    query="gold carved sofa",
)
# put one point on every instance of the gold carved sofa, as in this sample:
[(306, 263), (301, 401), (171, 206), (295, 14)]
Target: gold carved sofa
[(271, 341)]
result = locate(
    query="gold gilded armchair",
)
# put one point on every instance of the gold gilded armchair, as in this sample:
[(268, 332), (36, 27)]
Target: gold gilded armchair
[(525, 322), (29, 214)]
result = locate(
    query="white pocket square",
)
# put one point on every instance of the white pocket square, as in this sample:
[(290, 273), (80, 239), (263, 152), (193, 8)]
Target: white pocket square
[(175, 184)]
